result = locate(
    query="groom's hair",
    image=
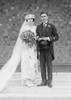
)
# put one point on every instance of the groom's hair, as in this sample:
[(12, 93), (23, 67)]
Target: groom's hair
[(43, 12)]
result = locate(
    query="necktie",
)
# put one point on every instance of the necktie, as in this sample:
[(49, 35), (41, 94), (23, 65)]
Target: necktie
[(44, 24)]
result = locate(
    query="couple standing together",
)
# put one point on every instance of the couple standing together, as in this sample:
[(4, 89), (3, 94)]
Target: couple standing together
[(31, 41)]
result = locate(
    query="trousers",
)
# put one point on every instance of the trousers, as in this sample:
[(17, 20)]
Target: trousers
[(46, 65)]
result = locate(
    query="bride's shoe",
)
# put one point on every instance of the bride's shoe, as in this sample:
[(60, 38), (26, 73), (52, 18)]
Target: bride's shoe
[(29, 83)]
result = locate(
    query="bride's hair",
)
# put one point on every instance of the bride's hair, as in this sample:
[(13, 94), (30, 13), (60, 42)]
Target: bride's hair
[(29, 16), (28, 19)]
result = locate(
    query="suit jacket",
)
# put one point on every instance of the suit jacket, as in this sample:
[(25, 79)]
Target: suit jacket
[(49, 31)]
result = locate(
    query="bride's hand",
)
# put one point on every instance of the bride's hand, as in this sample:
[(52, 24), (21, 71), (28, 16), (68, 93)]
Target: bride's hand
[(36, 38), (39, 39)]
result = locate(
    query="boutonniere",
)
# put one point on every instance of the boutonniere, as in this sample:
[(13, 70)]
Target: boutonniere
[(49, 26)]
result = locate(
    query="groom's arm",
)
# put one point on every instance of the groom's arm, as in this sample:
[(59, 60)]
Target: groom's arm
[(54, 36)]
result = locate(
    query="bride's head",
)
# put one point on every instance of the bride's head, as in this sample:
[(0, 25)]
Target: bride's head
[(30, 18)]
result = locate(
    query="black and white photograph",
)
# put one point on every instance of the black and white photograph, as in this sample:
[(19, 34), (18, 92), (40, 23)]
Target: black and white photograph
[(35, 49)]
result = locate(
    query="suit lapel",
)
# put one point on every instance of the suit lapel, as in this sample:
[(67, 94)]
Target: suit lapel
[(46, 30), (41, 30)]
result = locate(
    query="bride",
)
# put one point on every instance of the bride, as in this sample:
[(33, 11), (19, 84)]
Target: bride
[(25, 52)]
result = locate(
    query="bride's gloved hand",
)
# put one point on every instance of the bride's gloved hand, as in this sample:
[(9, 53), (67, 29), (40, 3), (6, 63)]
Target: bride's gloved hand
[(39, 39), (36, 37), (46, 38)]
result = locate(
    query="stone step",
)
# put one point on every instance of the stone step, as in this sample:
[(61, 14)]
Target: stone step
[(61, 88), (36, 98), (60, 80), (56, 76), (36, 92)]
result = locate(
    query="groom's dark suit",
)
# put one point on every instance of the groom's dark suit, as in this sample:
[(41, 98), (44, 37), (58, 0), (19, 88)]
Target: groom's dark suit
[(46, 49)]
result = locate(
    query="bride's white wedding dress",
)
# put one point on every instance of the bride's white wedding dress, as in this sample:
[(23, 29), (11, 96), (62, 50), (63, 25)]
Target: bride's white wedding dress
[(20, 53)]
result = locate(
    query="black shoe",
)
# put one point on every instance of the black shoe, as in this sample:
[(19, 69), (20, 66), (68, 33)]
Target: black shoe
[(49, 85), (42, 84)]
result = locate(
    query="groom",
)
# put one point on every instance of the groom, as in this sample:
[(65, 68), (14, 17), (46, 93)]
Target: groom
[(47, 34)]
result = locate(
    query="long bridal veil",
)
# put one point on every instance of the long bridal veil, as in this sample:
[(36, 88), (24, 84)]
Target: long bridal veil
[(9, 68)]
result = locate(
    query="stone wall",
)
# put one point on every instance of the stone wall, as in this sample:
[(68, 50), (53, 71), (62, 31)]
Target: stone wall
[(12, 16)]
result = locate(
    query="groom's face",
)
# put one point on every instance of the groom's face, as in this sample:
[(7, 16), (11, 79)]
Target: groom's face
[(44, 17)]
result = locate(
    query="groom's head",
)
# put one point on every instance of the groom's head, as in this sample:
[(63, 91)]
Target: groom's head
[(44, 16)]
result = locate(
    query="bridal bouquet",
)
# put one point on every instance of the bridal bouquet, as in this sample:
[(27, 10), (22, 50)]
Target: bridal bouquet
[(28, 37)]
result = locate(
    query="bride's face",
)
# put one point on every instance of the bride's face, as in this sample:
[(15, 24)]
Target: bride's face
[(30, 21)]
